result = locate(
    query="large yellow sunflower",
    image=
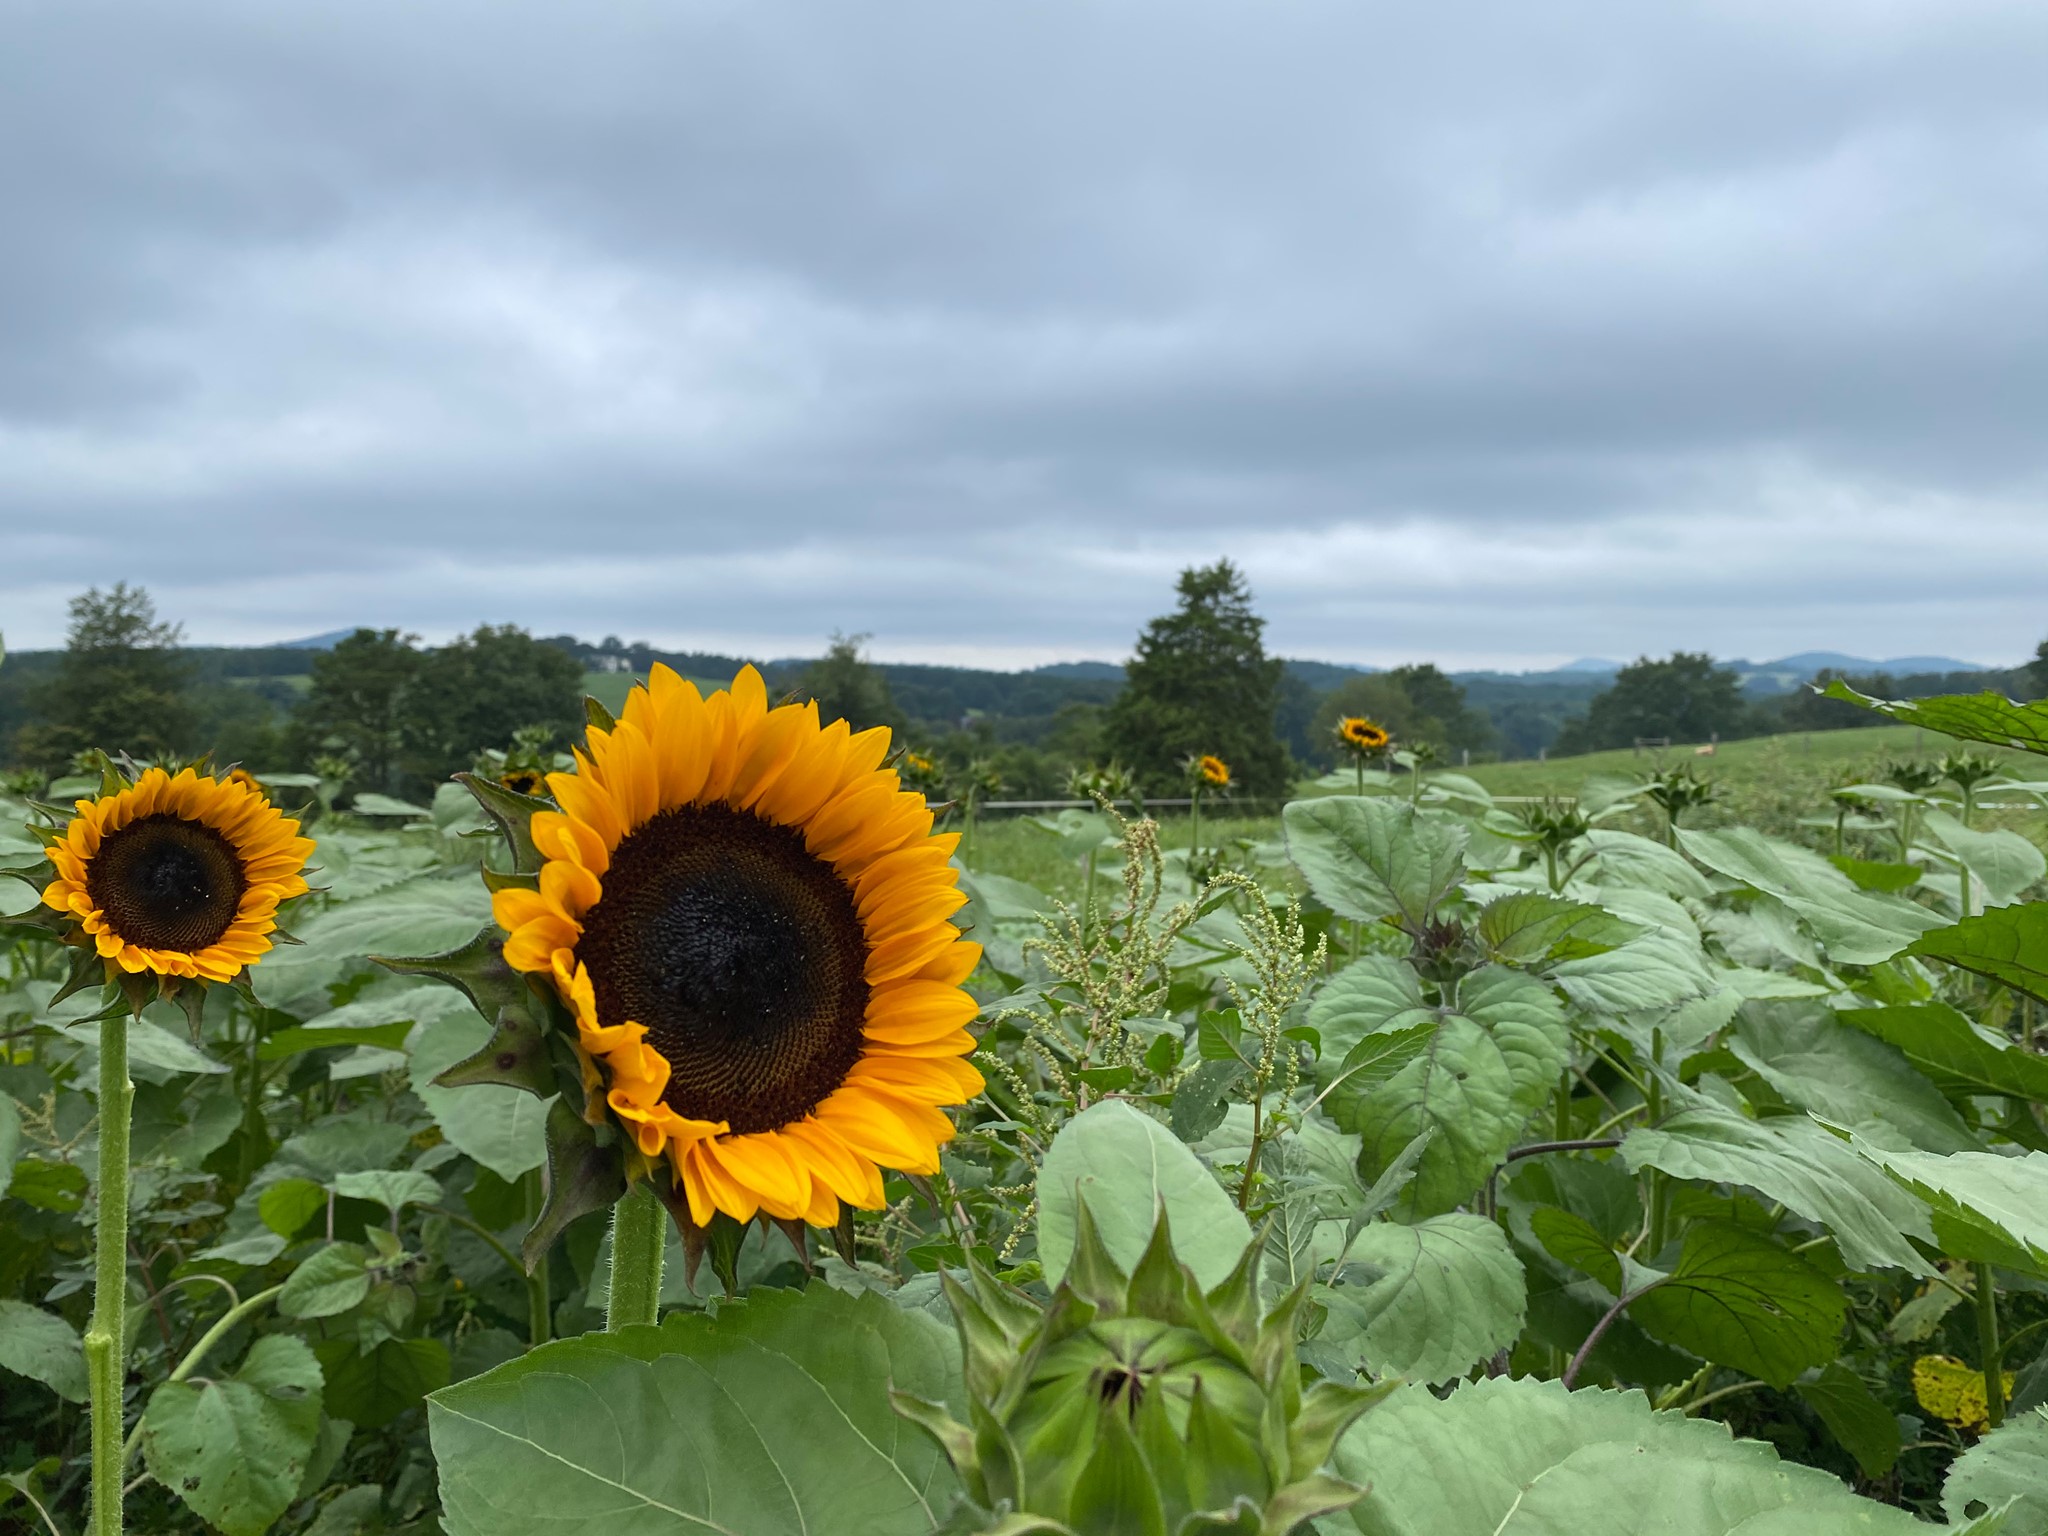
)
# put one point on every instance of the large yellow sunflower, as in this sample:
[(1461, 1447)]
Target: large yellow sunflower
[(181, 876), (749, 919)]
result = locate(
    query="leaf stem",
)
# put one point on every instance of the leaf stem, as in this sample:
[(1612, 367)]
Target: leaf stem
[(1989, 1351), (196, 1355), (1571, 1372), (638, 1237), (108, 1328), (539, 1284), (1538, 1148)]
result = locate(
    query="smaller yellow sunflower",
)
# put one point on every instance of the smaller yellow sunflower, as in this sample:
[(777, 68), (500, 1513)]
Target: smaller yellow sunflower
[(247, 780), (525, 781), (1214, 771), (1361, 734), (181, 876)]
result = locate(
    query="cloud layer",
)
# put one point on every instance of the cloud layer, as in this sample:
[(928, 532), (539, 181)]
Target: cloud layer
[(1490, 333)]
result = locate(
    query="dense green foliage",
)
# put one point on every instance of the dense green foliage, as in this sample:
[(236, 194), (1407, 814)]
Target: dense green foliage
[(1201, 682), (1683, 698), (1753, 1124), (120, 682)]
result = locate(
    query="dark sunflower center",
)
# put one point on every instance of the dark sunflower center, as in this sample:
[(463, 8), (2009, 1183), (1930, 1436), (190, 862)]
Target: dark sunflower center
[(167, 883), (741, 953)]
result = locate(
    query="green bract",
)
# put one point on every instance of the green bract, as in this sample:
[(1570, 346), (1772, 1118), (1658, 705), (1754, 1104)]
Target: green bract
[(1138, 1405)]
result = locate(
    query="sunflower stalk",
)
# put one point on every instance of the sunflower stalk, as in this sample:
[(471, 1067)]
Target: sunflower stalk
[(110, 1278), (639, 1234)]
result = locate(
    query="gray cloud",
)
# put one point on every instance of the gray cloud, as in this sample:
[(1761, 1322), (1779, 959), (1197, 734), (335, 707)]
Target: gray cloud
[(1491, 333)]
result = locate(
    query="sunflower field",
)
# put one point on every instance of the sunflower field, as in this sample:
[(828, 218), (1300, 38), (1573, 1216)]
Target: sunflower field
[(683, 1136)]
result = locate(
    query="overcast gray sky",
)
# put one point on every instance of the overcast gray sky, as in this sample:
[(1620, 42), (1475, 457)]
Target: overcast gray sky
[(1494, 334)]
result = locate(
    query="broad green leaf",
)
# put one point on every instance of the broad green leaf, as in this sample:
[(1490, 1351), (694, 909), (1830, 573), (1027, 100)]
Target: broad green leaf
[(1844, 1075), (1369, 995), (1373, 858), (1871, 875), (1448, 1293), (1128, 1166), (421, 916), (1370, 1064), (1619, 1492), (392, 1188), (502, 1128), (1527, 927), (1865, 1427), (296, 1042), (2001, 862), (372, 1388), (2010, 1462), (1856, 927), (2002, 1201), (1470, 1463), (342, 1144), (1571, 1239), (1488, 1067), (1739, 1299), (235, 1447), (151, 1045), (1202, 1097), (2008, 944), (1658, 970), (370, 803), (286, 1206), (1625, 859), (43, 1347), (1795, 1162), (772, 1418), (1987, 717), (331, 1281), (1952, 1052)]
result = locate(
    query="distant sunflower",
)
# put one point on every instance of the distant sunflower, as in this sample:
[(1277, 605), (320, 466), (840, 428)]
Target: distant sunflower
[(181, 876), (1214, 771), (247, 780), (1361, 734), (750, 920), (524, 781)]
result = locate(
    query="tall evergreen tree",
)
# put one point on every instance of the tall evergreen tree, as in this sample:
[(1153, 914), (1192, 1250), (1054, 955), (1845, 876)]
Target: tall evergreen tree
[(121, 684), (1201, 682)]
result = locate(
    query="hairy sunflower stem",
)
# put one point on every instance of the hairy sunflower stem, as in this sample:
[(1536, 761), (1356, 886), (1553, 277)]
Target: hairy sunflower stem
[(638, 1236), (1599, 1332), (1989, 1351), (103, 1362)]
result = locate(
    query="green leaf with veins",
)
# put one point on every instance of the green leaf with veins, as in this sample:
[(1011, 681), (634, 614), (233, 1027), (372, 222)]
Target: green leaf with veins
[(2008, 944), (1372, 858), (1531, 926), (1492, 1061), (235, 1447), (1796, 1163), (1530, 1457), (331, 1281), (1377, 993), (2002, 862), (2009, 1463), (1999, 1202), (1987, 717), (1865, 1427), (1844, 1075), (1953, 1053), (1747, 1301), (1444, 1295), (1856, 927), (772, 1418), (43, 1347)]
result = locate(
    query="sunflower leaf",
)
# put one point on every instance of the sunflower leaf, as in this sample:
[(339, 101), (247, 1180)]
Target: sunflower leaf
[(773, 1417), (513, 813), (477, 968), (235, 1448)]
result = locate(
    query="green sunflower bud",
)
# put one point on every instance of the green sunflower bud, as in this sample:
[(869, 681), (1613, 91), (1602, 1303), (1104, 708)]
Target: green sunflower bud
[(1137, 1405)]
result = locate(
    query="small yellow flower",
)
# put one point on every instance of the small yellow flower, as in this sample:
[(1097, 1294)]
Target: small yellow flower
[(1362, 735), (180, 876), (1214, 771), (524, 781)]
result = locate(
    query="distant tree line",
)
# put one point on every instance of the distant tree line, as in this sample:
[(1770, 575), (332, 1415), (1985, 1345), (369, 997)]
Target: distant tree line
[(386, 713)]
